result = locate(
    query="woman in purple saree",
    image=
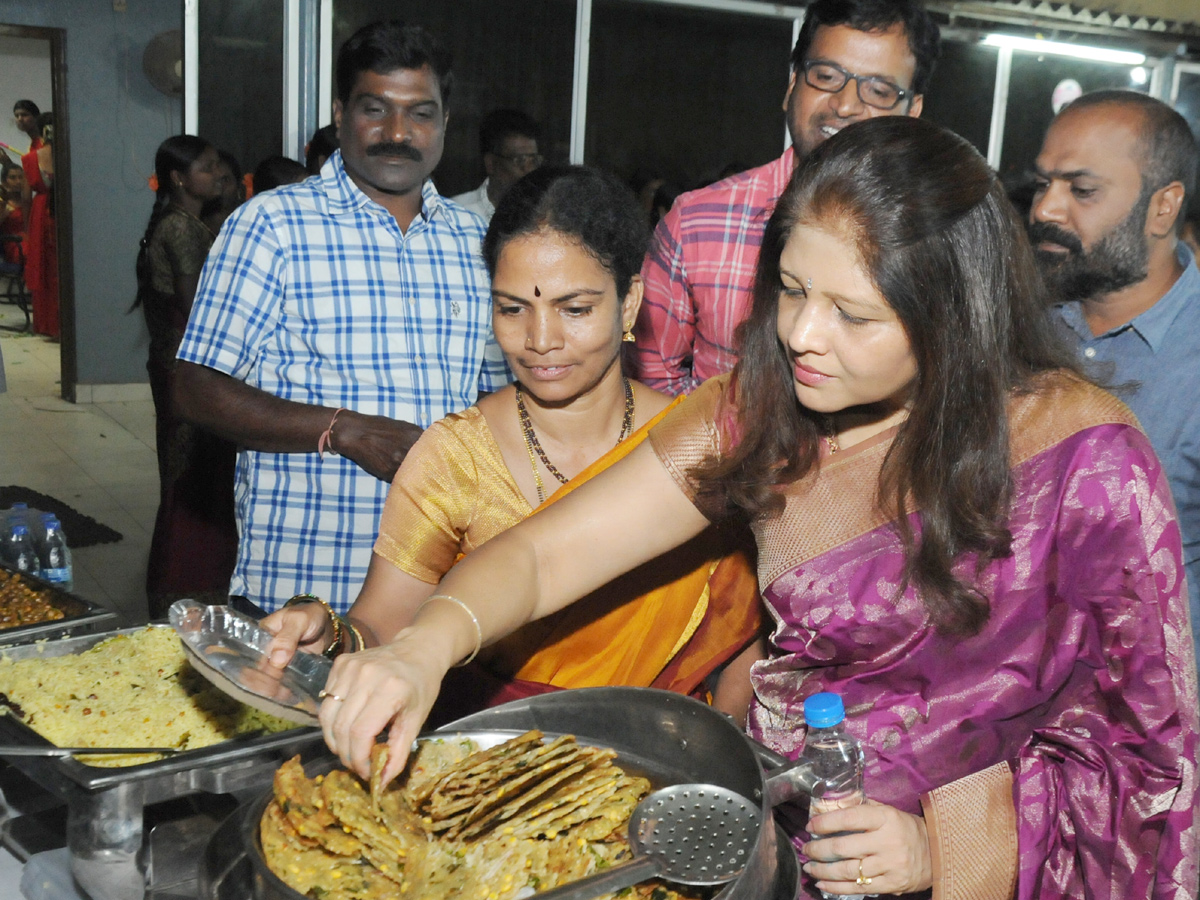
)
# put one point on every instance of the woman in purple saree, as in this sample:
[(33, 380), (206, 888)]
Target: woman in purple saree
[(970, 543)]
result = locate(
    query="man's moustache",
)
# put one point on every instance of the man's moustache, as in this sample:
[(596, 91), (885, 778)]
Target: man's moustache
[(1045, 232), (391, 148)]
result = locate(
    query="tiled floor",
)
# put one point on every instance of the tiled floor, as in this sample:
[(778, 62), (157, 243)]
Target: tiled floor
[(99, 458)]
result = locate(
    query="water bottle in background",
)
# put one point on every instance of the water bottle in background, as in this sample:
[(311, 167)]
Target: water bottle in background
[(18, 549), (837, 761), (19, 512), (54, 555)]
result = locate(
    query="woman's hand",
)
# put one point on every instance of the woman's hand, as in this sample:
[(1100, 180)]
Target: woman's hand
[(305, 626), (890, 848), (395, 685)]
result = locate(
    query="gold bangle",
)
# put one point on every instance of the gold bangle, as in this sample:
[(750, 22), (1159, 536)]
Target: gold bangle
[(357, 636), (335, 643), (474, 621)]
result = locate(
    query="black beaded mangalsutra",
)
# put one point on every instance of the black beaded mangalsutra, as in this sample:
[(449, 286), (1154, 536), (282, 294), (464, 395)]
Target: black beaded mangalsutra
[(534, 446)]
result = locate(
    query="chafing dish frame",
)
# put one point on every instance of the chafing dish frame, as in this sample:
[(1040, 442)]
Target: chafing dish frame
[(80, 616), (105, 805)]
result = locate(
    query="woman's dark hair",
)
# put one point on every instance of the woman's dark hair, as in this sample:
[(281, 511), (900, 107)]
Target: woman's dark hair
[(943, 246), (27, 106), (175, 154), (590, 206), (383, 47), (44, 119)]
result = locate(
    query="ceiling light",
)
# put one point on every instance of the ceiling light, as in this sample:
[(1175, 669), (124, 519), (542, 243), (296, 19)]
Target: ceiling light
[(1058, 48)]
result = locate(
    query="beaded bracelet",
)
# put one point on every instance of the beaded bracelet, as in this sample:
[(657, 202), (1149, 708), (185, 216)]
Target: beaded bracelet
[(474, 621), (335, 644)]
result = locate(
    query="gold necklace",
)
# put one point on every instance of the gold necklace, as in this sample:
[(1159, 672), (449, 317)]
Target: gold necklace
[(533, 445), (830, 435)]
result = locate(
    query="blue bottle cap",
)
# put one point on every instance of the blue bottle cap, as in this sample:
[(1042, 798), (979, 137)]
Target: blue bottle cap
[(824, 710), (19, 529)]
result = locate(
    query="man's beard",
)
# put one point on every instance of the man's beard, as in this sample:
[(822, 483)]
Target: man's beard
[(1119, 259)]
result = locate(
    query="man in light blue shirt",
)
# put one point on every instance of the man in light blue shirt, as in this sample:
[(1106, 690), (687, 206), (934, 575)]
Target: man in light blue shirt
[(1115, 174), (337, 318)]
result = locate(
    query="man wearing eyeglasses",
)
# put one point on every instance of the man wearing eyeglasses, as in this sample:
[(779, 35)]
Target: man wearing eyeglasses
[(508, 142), (853, 60)]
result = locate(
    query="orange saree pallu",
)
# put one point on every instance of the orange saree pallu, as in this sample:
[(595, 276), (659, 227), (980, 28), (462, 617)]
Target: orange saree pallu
[(669, 624)]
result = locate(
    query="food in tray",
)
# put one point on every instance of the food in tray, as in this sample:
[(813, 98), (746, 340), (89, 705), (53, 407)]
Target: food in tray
[(22, 603), (495, 824), (130, 690)]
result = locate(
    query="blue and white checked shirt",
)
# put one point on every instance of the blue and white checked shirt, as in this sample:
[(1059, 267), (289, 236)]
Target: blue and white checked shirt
[(312, 293)]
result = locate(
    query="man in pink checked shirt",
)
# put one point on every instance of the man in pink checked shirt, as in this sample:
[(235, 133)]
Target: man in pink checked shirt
[(853, 60)]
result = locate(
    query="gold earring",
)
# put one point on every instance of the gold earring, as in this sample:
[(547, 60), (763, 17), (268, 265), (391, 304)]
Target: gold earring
[(628, 336)]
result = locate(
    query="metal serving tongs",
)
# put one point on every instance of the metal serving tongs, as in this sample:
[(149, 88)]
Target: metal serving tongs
[(695, 834), (12, 750)]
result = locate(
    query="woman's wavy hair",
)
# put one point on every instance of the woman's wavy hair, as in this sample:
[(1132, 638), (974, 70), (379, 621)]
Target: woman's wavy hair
[(175, 154), (945, 248), (584, 204)]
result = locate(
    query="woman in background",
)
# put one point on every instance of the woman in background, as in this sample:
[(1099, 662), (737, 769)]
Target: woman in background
[(564, 250), (194, 547), (41, 243)]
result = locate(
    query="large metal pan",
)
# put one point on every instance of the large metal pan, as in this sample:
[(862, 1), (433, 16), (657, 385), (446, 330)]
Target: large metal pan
[(669, 738)]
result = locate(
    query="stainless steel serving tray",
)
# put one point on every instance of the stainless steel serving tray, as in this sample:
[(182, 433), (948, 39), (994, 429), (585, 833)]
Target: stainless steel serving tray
[(80, 616), (227, 767)]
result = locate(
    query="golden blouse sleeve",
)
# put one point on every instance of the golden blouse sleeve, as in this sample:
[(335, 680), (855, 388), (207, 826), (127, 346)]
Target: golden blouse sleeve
[(689, 435), (429, 506)]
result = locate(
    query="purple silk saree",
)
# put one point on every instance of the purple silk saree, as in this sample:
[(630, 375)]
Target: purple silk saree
[(1082, 682)]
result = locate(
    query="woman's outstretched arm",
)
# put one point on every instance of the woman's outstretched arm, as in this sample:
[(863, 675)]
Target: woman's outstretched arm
[(622, 518)]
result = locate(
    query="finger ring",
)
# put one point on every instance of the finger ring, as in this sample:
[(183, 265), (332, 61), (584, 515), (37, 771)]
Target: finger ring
[(322, 694), (861, 880)]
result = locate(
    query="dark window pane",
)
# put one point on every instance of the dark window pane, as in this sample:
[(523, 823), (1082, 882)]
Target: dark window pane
[(960, 95), (1188, 99), (1029, 102), (684, 93), (241, 77), (507, 53)]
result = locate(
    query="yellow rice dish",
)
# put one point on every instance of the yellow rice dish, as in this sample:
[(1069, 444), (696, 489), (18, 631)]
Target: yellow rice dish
[(132, 690)]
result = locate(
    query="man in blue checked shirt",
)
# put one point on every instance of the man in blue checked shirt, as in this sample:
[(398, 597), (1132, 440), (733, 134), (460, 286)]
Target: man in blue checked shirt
[(337, 318)]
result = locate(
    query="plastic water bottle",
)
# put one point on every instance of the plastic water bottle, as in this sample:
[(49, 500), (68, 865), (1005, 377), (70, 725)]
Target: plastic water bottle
[(837, 761), (18, 550), (54, 555), (19, 512)]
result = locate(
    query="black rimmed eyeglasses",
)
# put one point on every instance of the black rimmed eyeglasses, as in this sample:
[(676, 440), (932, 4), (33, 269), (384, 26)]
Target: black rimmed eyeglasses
[(872, 89)]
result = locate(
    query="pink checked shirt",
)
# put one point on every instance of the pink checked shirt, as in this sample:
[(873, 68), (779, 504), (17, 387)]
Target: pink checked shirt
[(699, 277)]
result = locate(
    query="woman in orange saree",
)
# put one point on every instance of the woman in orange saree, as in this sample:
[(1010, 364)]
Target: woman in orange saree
[(564, 254)]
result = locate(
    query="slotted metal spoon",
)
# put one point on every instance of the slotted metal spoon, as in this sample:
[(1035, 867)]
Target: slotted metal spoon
[(695, 834)]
